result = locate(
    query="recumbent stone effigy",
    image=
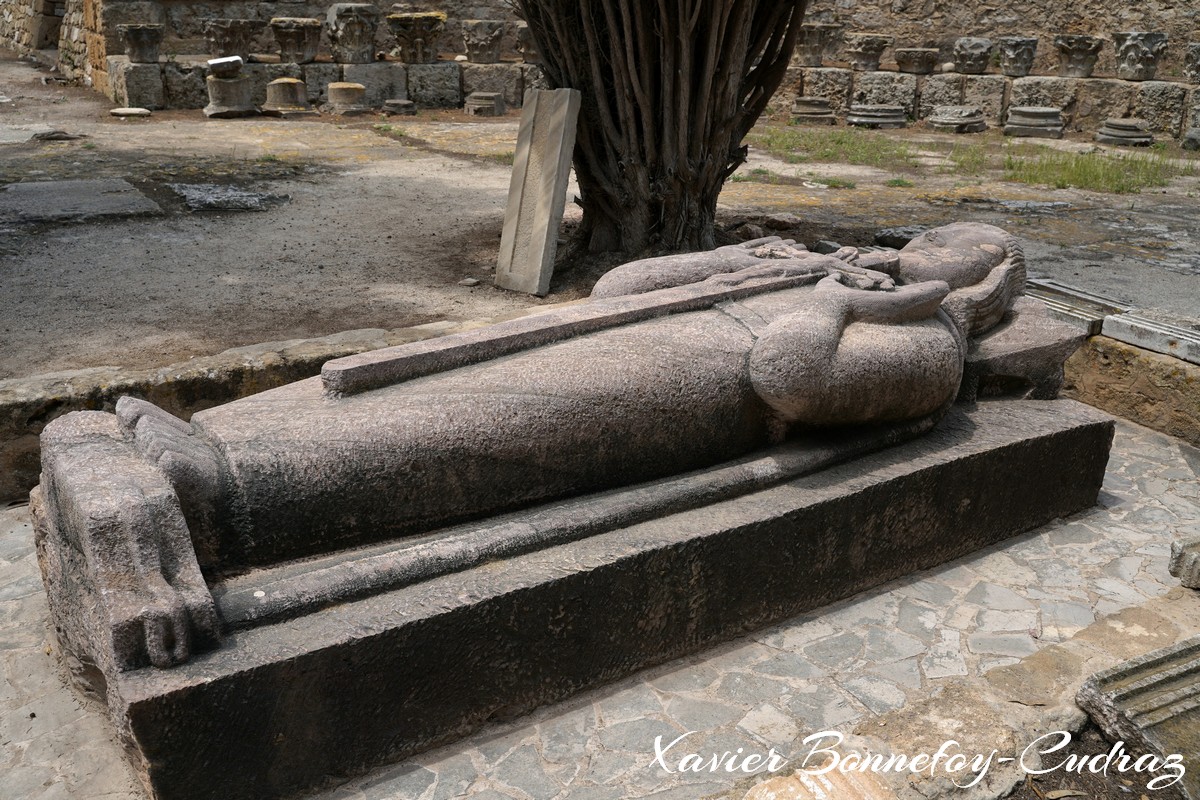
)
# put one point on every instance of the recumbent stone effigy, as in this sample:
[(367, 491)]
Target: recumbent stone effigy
[(461, 529)]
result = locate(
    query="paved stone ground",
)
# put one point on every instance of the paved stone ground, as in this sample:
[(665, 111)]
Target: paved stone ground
[(852, 662)]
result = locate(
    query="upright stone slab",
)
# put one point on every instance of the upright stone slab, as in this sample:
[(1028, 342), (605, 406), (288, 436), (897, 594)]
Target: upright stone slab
[(1152, 704), (538, 190)]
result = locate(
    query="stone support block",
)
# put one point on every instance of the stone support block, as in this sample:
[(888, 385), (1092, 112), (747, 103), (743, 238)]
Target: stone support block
[(504, 79), (262, 74), (828, 83), (1193, 109), (1048, 92), (184, 86), (1162, 105), (938, 90), (436, 85), (1099, 99), (318, 77), (988, 93), (786, 94), (886, 88), (135, 85), (383, 80)]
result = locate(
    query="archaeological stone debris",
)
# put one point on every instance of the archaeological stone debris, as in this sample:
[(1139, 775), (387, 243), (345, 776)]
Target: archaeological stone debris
[(248, 590)]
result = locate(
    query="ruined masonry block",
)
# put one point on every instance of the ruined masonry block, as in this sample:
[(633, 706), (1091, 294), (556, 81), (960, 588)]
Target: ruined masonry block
[(1100, 99), (1060, 93), (318, 77), (828, 83), (1193, 109), (886, 88), (184, 85), (938, 90), (262, 74), (987, 92), (532, 77), (383, 81), (435, 85), (1162, 105), (135, 85), (505, 79)]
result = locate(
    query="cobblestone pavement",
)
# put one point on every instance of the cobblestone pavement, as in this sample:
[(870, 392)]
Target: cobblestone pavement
[(881, 651)]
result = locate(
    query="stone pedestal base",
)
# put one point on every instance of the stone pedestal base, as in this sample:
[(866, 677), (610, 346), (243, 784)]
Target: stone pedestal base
[(877, 116), (1129, 132), (284, 707), (1041, 122), (230, 97)]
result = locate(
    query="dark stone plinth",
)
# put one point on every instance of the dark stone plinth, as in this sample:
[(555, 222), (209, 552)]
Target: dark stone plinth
[(1152, 705), (877, 116), (812, 111), (1034, 121), (1128, 132), (957, 119), (286, 707)]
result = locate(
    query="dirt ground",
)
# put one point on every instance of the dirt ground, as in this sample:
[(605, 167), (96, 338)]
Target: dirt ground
[(382, 218)]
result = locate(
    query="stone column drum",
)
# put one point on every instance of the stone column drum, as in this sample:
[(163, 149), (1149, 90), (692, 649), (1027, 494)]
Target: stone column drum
[(810, 46), (916, 60), (416, 36), (298, 38), (864, 50), (230, 94), (287, 97), (232, 37), (1077, 54), (346, 98), (1138, 54), (141, 42), (482, 39), (351, 28), (1017, 54), (972, 54)]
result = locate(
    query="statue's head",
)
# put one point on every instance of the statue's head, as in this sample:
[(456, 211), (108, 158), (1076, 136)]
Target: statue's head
[(961, 254)]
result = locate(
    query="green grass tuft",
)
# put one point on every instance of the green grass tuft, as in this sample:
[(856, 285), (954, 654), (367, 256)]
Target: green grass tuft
[(1116, 173), (834, 145)]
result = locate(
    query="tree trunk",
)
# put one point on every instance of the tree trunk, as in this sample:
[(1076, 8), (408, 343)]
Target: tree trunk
[(670, 89)]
